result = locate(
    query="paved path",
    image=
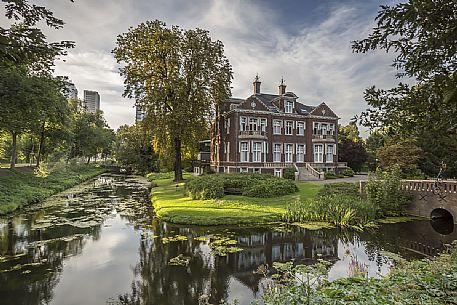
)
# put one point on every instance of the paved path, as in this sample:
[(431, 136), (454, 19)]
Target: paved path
[(356, 178)]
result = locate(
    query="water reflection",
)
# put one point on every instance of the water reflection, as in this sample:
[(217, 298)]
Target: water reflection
[(101, 244)]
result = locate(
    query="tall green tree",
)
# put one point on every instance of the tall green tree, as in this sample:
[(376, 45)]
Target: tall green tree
[(134, 148), (351, 147), (423, 36), (178, 76)]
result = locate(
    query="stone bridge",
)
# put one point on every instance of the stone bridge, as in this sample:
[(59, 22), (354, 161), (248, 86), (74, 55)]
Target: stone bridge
[(432, 199)]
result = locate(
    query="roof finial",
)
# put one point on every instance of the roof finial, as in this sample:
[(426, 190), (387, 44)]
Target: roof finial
[(257, 77), (282, 80)]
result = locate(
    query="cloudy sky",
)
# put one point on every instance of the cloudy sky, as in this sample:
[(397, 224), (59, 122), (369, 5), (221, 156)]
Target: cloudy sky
[(307, 42)]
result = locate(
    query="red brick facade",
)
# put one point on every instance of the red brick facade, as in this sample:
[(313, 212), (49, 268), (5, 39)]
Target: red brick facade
[(266, 133)]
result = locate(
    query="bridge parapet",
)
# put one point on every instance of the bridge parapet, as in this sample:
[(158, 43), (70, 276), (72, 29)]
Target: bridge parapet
[(446, 186)]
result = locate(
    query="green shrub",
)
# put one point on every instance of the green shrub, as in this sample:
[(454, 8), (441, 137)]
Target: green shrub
[(270, 188), (340, 188), (289, 173), (160, 176), (341, 210), (330, 175), (251, 185), (384, 193), (348, 172)]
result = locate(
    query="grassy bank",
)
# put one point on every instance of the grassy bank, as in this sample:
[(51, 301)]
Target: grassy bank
[(22, 186), (171, 204)]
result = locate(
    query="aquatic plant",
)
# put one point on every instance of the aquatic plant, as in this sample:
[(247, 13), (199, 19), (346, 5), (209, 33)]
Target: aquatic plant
[(221, 246), (179, 260)]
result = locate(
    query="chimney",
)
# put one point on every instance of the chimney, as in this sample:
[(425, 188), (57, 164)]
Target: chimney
[(256, 84), (282, 87)]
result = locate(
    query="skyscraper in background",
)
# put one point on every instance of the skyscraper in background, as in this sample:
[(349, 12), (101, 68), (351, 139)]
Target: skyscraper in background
[(140, 114), (91, 101)]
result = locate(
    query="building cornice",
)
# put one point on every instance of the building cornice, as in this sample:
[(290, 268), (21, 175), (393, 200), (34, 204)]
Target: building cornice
[(281, 114)]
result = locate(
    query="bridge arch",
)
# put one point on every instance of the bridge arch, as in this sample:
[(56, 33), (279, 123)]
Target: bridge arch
[(442, 214)]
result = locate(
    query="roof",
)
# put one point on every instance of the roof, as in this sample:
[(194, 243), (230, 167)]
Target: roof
[(268, 99)]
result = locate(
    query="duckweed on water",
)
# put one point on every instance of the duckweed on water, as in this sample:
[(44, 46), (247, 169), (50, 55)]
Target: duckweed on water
[(166, 240), (201, 238), (179, 260), (224, 245)]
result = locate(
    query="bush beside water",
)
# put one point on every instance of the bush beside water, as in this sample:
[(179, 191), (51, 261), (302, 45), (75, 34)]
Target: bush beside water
[(251, 185), (342, 205)]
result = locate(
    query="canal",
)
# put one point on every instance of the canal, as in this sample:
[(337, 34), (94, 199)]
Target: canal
[(99, 243)]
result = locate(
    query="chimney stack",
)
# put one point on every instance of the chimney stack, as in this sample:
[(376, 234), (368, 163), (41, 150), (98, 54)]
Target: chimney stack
[(256, 84), (282, 87)]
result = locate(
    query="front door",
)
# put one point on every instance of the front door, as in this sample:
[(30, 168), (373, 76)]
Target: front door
[(318, 153)]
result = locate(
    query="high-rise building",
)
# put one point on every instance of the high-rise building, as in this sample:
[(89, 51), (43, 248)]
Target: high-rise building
[(91, 101), (70, 91), (140, 114)]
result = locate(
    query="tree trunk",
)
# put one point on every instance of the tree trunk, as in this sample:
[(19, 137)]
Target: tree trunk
[(88, 160), (41, 149), (178, 165), (13, 150)]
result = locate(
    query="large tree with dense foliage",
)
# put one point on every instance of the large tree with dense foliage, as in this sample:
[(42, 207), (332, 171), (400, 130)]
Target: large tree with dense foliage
[(177, 76), (134, 148), (423, 36), (351, 147)]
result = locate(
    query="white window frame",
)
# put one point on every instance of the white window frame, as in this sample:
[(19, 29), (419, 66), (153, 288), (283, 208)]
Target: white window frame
[(288, 106), (277, 153), (278, 172), (300, 155), (289, 153), (244, 153), (257, 152), (227, 126), (327, 154), (318, 153), (253, 122), (243, 123), (288, 132), (263, 124), (300, 131), (244, 170), (277, 127), (228, 151)]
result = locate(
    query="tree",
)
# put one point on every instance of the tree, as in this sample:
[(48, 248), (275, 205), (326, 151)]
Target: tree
[(401, 152), (350, 147), (178, 76), (423, 35), (134, 148)]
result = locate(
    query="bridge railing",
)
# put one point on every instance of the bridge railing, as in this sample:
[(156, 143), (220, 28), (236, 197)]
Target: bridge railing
[(429, 186)]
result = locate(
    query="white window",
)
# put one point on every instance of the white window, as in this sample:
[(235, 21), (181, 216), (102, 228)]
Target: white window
[(243, 170), (324, 128), (277, 152), (300, 152), (289, 153), (253, 124), (257, 152), (227, 126), (318, 153), (256, 170), (228, 151), (244, 151), (276, 127), (263, 125), (331, 129), (278, 172), (243, 124), (316, 128), (289, 127), (329, 154), (301, 128), (288, 107)]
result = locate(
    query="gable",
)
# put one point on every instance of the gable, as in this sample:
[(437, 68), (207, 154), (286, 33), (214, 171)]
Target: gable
[(252, 103), (323, 110)]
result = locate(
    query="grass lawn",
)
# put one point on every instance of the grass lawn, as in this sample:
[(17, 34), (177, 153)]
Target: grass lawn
[(172, 205), (20, 187)]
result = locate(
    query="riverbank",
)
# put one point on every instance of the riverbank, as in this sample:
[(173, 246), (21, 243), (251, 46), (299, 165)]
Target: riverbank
[(171, 204), (21, 187)]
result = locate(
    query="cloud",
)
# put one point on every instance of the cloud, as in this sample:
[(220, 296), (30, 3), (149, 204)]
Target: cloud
[(315, 58)]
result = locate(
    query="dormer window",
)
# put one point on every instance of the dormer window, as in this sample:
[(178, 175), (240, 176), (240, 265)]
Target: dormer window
[(288, 107)]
